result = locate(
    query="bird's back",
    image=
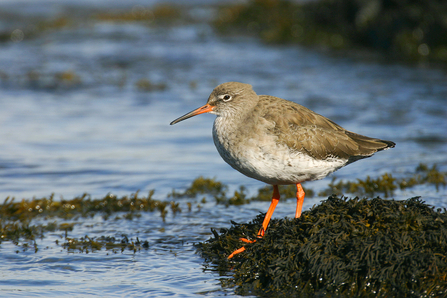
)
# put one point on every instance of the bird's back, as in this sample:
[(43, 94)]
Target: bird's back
[(303, 130)]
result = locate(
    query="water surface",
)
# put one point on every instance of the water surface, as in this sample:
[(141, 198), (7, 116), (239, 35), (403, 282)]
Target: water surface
[(99, 133)]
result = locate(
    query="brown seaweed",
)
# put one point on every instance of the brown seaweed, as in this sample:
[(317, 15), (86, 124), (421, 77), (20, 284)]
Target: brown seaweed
[(340, 248)]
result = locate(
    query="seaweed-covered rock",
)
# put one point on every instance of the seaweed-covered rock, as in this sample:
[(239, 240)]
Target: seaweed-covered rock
[(340, 248)]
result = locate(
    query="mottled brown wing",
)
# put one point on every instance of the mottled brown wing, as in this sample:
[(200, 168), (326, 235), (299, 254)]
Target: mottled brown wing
[(306, 131)]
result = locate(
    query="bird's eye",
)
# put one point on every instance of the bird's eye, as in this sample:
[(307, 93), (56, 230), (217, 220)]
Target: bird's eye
[(226, 97)]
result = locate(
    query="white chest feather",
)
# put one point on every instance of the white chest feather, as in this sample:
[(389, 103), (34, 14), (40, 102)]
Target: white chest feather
[(258, 155)]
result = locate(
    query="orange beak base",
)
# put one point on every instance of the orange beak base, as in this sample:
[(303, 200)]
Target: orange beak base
[(204, 109)]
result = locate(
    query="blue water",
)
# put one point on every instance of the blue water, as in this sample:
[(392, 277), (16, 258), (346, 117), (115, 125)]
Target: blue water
[(99, 133)]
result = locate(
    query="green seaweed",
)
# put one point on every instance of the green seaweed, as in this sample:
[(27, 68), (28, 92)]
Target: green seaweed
[(239, 197), (17, 225), (218, 190), (386, 184), (200, 186), (87, 244), (82, 206), (340, 248), (16, 217)]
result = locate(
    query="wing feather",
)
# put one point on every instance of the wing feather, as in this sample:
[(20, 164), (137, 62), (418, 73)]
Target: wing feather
[(304, 130)]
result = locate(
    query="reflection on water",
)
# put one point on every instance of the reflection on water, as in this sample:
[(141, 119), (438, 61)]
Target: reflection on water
[(74, 119)]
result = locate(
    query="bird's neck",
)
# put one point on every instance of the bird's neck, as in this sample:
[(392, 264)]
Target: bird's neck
[(225, 127), (233, 127)]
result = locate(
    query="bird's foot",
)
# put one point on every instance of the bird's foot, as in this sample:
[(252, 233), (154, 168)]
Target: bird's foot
[(237, 251), (246, 240)]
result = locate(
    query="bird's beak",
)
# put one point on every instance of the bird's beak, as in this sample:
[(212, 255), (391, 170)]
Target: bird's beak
[(204, 109)]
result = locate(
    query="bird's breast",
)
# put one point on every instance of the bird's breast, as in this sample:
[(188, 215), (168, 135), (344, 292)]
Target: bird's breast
[(259, 155)]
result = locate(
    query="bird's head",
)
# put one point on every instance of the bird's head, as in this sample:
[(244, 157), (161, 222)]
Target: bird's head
[(227, 99)]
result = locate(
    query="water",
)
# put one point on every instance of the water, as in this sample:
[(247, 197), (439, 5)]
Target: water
[(99, 133)]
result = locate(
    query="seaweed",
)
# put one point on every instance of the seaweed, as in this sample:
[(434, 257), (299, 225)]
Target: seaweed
[(406, 30), (16, 219), (17, 223), (387, 184), (82, 206), (87, 244), (219, 191), (384, 185), (200, 186), (340, 248)]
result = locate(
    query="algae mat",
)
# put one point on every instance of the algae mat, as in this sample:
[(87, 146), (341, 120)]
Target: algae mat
[(340, 248)]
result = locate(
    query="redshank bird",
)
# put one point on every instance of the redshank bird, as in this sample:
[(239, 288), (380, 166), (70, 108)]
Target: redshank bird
[(278, 141)]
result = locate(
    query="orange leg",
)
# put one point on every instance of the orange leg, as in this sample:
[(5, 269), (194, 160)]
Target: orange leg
[(237, 251), (299, 200), (265, 223), (269, 214)]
